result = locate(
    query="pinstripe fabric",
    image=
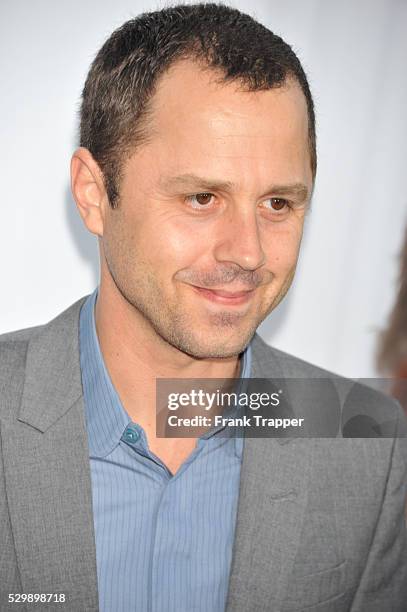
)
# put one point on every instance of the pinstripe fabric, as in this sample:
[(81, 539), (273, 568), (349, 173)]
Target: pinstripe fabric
[(163, 542)]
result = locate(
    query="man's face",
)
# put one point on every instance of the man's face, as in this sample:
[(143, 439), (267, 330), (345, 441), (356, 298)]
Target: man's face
[(216, 200)]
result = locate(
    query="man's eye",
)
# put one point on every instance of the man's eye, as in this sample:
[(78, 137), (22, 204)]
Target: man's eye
[(277, 204), (200, 200)]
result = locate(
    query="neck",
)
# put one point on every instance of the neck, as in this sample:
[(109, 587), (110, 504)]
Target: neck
[(135, 356)]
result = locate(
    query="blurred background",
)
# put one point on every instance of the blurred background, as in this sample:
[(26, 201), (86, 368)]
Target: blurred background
[(354, 54)]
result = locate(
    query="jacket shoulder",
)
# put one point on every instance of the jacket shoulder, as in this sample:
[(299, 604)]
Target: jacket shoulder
[(16, 345), (19, 335), (361, 405), (290, 366), (13, 352)]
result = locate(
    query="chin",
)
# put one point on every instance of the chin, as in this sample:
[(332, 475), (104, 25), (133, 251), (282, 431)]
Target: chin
[(216, 349)]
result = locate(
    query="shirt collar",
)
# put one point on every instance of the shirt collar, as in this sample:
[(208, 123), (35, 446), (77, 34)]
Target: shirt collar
[(106, 418)]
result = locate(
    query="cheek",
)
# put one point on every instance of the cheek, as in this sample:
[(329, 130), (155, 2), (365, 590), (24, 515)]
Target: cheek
[(170, 245), (282, 250)]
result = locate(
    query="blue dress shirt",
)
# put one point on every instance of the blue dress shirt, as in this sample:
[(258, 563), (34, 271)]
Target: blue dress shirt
[(163, 542)]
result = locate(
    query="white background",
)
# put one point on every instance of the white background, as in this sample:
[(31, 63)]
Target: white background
[(354, 53)]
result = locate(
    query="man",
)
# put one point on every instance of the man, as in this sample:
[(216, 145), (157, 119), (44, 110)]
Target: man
[(195, 171)]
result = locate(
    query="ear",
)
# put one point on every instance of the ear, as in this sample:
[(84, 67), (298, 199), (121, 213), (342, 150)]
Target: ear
[(88, 190)]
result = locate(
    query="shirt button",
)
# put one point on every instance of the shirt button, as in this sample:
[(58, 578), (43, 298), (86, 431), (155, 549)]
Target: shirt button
[(131, 434)]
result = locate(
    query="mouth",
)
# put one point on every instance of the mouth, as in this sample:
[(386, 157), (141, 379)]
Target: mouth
[(227, 298)]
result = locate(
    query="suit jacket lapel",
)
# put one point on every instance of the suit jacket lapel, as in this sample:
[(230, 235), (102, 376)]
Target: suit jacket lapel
[(272, 500), (271, 508), (47, 470)]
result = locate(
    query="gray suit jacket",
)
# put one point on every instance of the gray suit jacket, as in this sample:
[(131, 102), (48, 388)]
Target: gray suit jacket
[(320, 521)]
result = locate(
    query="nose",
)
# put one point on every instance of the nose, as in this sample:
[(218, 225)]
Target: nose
[(239, 239)]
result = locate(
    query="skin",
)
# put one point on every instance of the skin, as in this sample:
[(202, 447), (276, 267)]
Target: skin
[(163, 239)]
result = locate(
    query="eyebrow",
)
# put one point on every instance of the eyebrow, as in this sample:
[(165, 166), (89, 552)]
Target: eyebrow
[(193, 181)]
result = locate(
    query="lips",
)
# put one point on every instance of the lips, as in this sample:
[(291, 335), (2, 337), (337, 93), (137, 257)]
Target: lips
[(225, 297), (227, 294)]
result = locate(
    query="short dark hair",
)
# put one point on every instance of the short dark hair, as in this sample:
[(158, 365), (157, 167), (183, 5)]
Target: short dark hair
[(122, 78)]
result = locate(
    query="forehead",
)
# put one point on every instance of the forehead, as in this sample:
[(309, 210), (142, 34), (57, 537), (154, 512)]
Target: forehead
[(196, 115), (189, 91)]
